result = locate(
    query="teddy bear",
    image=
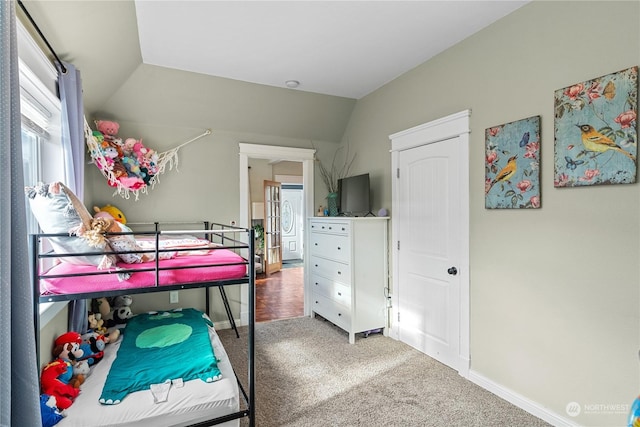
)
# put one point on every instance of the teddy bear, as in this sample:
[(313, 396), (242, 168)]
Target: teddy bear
[(122, 309), (109, 129), (120, 316), (51, 384)]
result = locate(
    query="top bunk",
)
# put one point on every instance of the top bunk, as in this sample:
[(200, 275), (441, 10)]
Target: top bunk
[(151, 257), (82, 256)]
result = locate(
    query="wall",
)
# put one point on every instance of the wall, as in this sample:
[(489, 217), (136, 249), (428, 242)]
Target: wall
[(167, 107), (554, 291)]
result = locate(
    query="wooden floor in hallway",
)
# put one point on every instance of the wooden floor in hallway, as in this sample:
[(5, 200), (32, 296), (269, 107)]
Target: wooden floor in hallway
[(280, 295)]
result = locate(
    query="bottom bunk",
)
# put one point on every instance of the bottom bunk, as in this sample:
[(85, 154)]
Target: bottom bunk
[(191, 399), (174, 403)]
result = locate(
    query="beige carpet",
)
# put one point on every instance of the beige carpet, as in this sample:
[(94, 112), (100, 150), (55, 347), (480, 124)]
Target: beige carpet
[(309, 375)]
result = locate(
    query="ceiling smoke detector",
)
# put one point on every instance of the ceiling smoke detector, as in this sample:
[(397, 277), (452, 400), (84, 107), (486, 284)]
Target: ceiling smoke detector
[(292, 84)]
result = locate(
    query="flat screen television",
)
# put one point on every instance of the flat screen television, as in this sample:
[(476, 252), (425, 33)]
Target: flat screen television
[(354, 195)]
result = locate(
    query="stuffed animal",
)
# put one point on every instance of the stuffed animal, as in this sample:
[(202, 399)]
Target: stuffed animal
[(101, 305), (51, 384), (108, 129), (67, 347), (95, 323), (92, 346), (111, 210), (122, 308), (49, 411), (122, 301), (120, 316), (81, 371)]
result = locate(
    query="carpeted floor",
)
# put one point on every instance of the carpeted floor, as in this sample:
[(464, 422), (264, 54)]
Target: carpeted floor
[(307, 374)]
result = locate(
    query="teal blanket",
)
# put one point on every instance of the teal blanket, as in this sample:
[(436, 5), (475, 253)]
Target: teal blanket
[(161, 346)]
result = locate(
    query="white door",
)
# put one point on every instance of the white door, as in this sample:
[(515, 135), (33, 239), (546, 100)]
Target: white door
[(429, 247), (291, 223)]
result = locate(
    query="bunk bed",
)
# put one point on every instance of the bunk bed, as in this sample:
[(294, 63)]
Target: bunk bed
[(224, 263)]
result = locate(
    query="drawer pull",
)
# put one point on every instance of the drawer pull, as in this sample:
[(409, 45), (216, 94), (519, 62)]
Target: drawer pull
[(339, 314), (338, 247), (339, 272), (316, 302), (339, 293), (316, 283), (330, 228), (316, 265), (316, 244)]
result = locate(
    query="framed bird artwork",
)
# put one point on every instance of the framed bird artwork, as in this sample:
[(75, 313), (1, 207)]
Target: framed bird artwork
[(596, 131), (512, 165)]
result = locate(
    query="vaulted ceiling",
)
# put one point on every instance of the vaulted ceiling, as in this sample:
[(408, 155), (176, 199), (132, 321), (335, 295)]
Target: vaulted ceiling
[(239, 52)]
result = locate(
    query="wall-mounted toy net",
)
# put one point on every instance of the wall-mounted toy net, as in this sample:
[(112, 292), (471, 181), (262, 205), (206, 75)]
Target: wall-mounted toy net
[(129, 166)]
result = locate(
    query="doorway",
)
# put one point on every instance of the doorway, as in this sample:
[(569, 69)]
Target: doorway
[(431, 239), (275, 153)]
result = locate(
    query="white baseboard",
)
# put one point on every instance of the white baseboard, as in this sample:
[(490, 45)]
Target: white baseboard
[(520, 401), (225, 324)]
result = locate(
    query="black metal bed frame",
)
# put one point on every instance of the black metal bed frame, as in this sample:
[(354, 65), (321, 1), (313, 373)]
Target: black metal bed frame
[(209, 232)]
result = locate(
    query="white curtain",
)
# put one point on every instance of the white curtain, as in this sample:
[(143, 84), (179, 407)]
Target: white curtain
[(72, 132), (19, 387)]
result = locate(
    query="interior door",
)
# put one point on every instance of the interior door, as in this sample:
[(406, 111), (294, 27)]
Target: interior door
[(272, 227), (429, 248), (292, 222)]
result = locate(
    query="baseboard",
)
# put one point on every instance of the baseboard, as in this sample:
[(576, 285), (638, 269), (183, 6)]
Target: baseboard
[(520, 401), (225, 324)]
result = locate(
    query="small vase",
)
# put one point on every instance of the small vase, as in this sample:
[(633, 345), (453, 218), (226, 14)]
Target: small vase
[(332, 203)]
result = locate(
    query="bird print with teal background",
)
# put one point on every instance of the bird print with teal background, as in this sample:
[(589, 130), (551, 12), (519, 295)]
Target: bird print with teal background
[(512, 165), (596, 136)]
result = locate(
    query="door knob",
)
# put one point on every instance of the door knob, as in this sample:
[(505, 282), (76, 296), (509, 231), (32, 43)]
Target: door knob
[(452, 271)]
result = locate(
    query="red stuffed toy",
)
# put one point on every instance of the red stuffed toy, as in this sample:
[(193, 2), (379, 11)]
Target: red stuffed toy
[(67, 347), (53, 386)]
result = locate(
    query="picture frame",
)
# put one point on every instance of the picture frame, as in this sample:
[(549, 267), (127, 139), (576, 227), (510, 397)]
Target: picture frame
[(595, 131), (512, 165)]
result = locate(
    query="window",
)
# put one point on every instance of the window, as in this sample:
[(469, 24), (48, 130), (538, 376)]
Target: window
[(42, 156)]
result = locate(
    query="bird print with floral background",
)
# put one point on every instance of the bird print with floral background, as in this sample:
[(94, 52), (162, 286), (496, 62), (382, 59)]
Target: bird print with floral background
[(596, 137), (512, 165)]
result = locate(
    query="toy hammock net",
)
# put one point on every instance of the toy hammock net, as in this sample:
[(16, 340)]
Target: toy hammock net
[(129, 166)]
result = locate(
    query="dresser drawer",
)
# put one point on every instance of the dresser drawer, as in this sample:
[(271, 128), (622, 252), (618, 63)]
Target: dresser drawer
[(332, 311), (330, 246), (330, 227), (332, 270), (332, 290)]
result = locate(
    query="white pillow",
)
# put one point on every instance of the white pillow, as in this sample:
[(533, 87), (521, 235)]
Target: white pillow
[(58, 210)]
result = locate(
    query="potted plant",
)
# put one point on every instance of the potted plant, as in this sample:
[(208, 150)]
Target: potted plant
[(331, 176)]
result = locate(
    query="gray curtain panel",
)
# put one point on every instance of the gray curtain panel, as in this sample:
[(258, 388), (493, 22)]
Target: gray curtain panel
[(72, 132), (20, 387)]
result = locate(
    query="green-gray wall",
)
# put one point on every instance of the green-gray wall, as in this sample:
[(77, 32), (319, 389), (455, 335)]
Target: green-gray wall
[(554, 291)]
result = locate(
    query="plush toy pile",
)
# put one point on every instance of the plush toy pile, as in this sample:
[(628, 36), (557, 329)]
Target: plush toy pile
[(133, 165), (75, 354)]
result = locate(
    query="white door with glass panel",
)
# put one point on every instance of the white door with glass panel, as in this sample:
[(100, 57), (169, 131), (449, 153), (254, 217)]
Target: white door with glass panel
[(291, 222), (272, 227)]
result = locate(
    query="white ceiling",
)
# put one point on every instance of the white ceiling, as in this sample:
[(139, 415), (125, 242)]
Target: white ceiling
[(341, 48)]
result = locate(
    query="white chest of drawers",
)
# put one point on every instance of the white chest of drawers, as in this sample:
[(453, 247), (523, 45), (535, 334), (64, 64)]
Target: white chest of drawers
[(347, 261)]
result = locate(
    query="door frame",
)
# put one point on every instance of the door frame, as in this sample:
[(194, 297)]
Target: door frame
[(452, 126), (273, 152)]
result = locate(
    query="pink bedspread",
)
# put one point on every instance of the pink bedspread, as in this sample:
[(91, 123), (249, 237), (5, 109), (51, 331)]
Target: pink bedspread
[(145, 279)]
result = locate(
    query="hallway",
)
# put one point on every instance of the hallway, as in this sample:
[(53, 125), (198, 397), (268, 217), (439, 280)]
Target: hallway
[(280, 295)]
